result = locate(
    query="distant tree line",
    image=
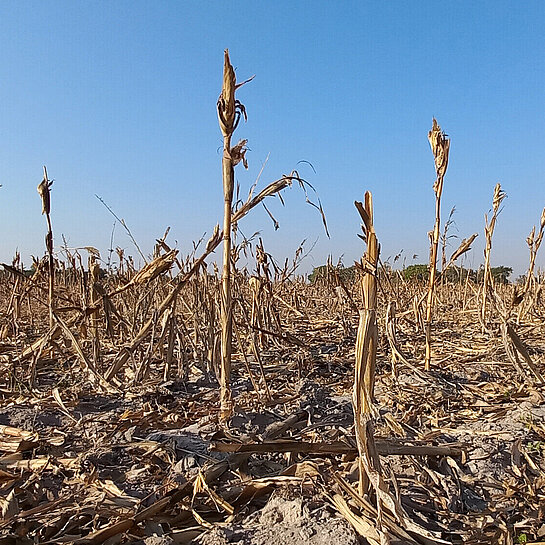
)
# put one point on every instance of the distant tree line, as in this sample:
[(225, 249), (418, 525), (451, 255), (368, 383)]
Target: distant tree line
[(329, 272), (420, 272), (500, 274)]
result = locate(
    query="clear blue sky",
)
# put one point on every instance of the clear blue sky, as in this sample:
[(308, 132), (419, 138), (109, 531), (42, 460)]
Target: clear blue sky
[(118, 99)]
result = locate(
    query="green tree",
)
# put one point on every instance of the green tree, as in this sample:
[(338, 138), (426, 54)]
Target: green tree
[(323, 272), (501, 274), (416, 272)]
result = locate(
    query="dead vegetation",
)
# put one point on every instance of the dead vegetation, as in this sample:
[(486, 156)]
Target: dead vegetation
[(172, 404)]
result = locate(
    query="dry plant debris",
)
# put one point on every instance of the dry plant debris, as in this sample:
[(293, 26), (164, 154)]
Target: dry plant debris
[(113, 430)]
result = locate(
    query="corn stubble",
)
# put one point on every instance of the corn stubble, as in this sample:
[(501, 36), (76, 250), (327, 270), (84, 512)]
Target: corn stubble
[(440, 146), (137, 332), (44, 190)]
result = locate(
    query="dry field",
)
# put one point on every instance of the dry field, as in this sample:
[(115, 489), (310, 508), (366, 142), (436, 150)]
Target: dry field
[(179, 403)]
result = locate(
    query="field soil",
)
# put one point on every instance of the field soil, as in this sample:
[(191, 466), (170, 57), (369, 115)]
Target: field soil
[(462, 447)]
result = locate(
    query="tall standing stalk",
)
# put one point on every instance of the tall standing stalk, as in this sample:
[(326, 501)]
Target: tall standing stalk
[(440, 146), (94, 277), (364, 377), (534, 242), (229, 112), (45, 194), (499, 195), (366, 344)]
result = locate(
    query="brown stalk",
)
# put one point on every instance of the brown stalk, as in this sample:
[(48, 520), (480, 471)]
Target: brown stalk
[(384, 446), (366, 346), (364, 375), (440, 146), (95, 298), (534, 242), (45, 194), (499, 195), (94, 276), (227, 114)]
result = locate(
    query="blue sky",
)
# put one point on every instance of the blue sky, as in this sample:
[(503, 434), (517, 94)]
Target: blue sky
[(118, 99)]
